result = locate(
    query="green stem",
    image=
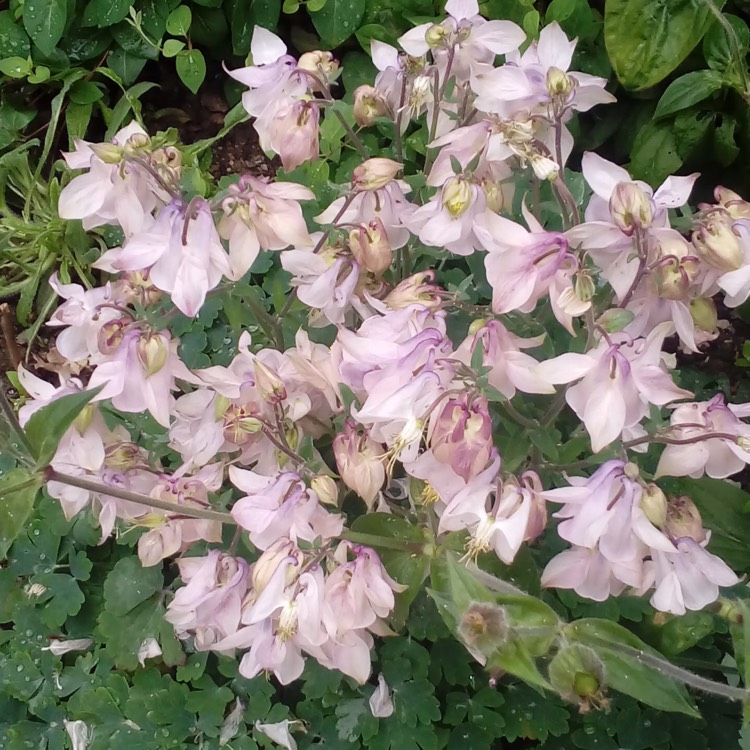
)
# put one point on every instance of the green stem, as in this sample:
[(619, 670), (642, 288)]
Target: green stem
[(384, 542), (51, 475)]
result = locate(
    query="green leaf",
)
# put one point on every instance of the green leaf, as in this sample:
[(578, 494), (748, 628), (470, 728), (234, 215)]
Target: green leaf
[(103, 13), (129, 584), (624, 671), (18, 489), (40, 75), (15, 67), (191, 68), (725, 144), (44, 20), (77, 118), (14, 41), (85, 92), (687, 90), (47, 426), (125, 65), (172, 46), (179, 20), (647, 39), (242, 20), (725, 46), (338, 20)]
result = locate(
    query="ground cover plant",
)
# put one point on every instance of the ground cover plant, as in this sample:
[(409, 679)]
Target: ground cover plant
[(402, 445)]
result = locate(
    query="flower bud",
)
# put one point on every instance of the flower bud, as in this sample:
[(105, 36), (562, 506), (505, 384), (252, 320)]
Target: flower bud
[(718, 245), (585, 287), (704, 315), (240, 425), (153, 351), (436, 35), (137, 142), (559, 83), (326, 489), (369, 104), (615, 319), (360, 462), (654, 505), (375, 173), (630, 207), (370, 247), (269, 385), (477, 325), (318, 63), (457, 196), (85, 417), (415, 289), (109, 153), (421, 92), (493, 194), (684, 520), (266, 565), (110, 335), (544, 167)]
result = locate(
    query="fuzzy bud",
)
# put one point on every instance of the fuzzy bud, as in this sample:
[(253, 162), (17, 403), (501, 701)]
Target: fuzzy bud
[(153, 351), (577, 673), (484, 627), (370, 247), (630, 207), (654, 505), (375, 173), (718, 245), (326, 489), (684, 520), (704, 315), (109, 153), (369, 104)]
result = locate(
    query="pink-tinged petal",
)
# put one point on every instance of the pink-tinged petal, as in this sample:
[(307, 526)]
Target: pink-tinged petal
[(190, 286), (602, 175), (604, 415), (596, 235), (683, 460), (710, 566), (675, 191), (668, 594), (82, 196), (414, 41), (723, 461), (266, 47), (461, 9), (554, 48), (499, 85), (566, 368), (81, 157), (656, 386), (243, 250), (384, 56), (587, 97), (736, 284), (523, 372), (499, 37)]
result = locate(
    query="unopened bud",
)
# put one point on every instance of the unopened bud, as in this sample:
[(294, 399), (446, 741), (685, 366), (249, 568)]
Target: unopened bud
[(326, 489), (477, 325), (375, 173), (436, 35), (615, 319), (370, 247), (369, 104), (84, 418), (684, 520), (559, 83), (630, 207), (269, 385), (654, 505), (153, 351), (585, 287), (631, 470), (493, 194), (109, 153), (457, 196), (704, 315), (718, 245), (137, 142), (318, 63)]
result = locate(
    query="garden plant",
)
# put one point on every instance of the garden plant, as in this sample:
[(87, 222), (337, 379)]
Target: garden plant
[(411, 440)]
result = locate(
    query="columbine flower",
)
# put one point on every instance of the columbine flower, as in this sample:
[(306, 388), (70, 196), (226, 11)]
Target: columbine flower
[(619, 378), (359, 460)]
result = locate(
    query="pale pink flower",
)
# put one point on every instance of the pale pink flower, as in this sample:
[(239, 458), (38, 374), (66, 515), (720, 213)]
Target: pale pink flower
[(295, 132), (262, 215), (111, 192), (717, 457), (381, 702), (182, 251), (209, 606), (280, 507), (360, 462), (509, 367), (618, 380), (197, 431)]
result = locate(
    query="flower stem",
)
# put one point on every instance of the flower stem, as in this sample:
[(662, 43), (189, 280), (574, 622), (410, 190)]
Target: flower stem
[(384, 542)]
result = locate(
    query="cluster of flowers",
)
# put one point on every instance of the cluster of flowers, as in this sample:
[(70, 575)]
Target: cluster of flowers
[(420, 414)]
